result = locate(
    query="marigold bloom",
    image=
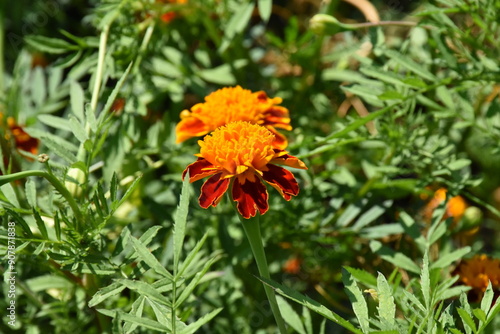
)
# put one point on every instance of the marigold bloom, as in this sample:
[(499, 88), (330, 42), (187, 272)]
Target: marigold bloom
[(169, 16), (292, 265), (232, 104), (454, 208), (22, 140), (478, 271), (243, 153)]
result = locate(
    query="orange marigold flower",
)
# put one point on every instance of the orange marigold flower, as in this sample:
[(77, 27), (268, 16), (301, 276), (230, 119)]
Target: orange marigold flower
[(243, 153), (232, 104), (23, 141), (454, 208), (292, 265), (478, 271), (169, 16)]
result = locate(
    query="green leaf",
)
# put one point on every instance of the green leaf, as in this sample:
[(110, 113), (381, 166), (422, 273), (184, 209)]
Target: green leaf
[(146, 256), (129, 192), (480, 315), (192, 255), (487, 299), (391, 95), (446, 260), (467, 319), (106, 292), (192, 328), (358, 301), (265, 9), (40, 224), (10, 194), (77, 100), (77, 129), (310, 304), (362, 276), (290, 316), (30, 189), (60, 147), (409, 64), (49, 45), (140, 321), (386, 306), (180, 221), (147, 290), (398, 259), (425, 281), (237, 23), (55, 122), (112, 97), (370, 215)]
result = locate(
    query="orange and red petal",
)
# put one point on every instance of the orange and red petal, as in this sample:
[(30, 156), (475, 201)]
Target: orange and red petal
[(190, 127), (280, 142), (251, 196), (212, 191), (278, 117), (288, 160), (199, 169), (282, 180)]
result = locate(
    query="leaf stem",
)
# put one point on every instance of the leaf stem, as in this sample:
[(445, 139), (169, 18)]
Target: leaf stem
[(56, 183), (252, 230)]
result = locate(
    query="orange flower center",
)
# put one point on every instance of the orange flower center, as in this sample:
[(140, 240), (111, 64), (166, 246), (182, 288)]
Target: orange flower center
[(231, 104), (238, 148)]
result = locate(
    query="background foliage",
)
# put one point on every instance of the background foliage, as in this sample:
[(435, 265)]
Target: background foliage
[(111, 240)]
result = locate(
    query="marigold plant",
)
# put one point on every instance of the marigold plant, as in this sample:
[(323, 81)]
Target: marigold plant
[(478, 271), (242, 153), (232, 104)]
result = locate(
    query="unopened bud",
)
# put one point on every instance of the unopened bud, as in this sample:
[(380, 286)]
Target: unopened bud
[(473, 216), (75, 178), (43, 158)]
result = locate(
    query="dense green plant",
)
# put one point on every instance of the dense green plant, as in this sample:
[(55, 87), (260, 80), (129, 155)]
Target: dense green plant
[(104, 245)]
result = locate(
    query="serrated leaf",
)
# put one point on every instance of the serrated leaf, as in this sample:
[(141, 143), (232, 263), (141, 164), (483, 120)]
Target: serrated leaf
[(425, 281), (467, 319), (49, 45), (310, 304), (290, 316), (398, 259), (105, 293), (140, 321), (129, 191), (370, 215), (10, 194), (192, 328), (357, 299), (77, 129), (445, 260), (147, 290), (40, 224), (55, 122), (76, 99), (386, 306), (362, 276), (30, 189), (112, 97), (146, 256), (180, 221), (487, 299), (59, 147), (409, 64), (479, 314)]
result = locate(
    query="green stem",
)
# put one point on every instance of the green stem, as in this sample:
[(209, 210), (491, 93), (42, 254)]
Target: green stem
[(252, 230), (55, 182)]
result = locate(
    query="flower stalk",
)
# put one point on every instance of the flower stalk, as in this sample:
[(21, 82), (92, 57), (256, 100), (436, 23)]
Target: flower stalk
[(252, 231)]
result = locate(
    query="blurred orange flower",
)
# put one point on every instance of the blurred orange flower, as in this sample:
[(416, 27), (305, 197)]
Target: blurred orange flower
[(478, 271), (292, 265), (241, 154), (169, 16), (454, 208), (232, 104), (22, 140)]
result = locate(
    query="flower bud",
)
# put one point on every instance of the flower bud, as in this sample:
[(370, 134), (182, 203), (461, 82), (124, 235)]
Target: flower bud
[(74, 178)]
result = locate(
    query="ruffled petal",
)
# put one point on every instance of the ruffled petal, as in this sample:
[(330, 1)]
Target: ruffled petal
[(190, 127), (283, 158), (280, 142), (278, 117), (212, 191), (251, 196), (282, 180), (199, 169)]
